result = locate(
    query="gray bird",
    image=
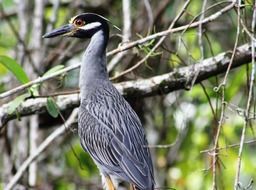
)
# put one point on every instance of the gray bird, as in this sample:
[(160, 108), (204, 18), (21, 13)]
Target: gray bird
[(109, 129)]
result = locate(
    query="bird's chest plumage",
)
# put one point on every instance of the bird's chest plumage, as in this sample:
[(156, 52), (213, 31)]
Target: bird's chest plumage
[(93, 136)]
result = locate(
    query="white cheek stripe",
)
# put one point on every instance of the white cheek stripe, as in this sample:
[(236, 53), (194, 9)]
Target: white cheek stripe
[(90, 26)]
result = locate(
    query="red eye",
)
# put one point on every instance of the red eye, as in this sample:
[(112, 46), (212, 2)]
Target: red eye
[(79, 22)]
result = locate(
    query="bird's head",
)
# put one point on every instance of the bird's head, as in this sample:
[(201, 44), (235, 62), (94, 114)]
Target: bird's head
[(82, 26)]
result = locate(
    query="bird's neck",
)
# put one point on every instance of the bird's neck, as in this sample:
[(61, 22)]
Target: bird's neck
[(93, 65)]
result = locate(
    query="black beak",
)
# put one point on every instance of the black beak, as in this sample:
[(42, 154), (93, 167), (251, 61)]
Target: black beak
[(64, 30)]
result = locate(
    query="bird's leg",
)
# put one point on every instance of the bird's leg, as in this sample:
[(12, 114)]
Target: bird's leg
[(132, 187), (109, 183)]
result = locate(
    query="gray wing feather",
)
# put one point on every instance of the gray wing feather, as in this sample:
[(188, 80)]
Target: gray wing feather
[(120, 140)]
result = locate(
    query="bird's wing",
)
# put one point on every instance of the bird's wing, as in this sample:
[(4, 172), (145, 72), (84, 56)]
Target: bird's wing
[(124, 142)]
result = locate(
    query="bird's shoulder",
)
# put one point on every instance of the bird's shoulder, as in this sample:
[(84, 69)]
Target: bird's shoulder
[(106, 104)]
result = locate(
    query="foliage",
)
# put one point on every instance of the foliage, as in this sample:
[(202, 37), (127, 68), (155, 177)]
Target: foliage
[(185, 121), (15, 68), (52, 107)]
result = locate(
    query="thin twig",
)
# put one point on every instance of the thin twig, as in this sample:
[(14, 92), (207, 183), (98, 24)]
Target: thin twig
[(210, 103), (222, 114), (127, 33), (38, 80), (216, 139), (253, 141), (200, 30), (200, 42), (42, 147), (249, 100), (61, 93), (150, 14), (234, 48)]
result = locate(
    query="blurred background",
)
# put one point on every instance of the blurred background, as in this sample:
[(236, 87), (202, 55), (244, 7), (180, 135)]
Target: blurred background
[(183, 126)]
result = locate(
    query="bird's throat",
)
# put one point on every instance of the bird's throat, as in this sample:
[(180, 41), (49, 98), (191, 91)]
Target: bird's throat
[(94, 62)]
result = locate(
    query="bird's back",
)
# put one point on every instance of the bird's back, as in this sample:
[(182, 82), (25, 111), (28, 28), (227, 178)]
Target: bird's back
[(111, 132)]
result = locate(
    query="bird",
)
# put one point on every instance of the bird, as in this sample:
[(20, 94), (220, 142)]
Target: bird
[(108, 128)]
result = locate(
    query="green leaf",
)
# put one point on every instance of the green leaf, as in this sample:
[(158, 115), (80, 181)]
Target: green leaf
[(250, 2), (52, 107), (15, 68), (14, 104), (53, 70), (34, 90)]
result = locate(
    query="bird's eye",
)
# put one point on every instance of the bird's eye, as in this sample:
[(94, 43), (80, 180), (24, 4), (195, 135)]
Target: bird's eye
[(79, 22)]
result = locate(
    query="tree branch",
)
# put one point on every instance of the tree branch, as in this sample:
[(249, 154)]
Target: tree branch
[(124, 47), (179, 78)]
